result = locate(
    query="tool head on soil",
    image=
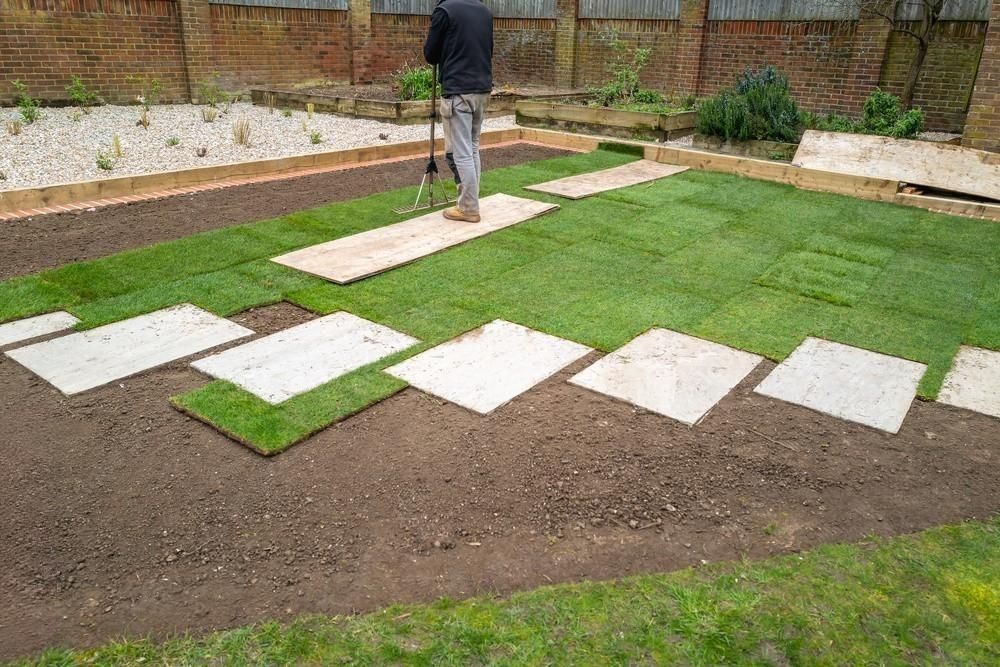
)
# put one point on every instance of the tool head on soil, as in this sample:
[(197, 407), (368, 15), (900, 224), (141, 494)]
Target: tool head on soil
[(431, 172)]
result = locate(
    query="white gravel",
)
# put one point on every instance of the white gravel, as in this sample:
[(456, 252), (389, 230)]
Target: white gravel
[(59, 149)]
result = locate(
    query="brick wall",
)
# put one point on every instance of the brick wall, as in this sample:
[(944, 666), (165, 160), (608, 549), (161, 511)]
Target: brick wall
[(982, 129), (594, 53), (948, 75), (524, 51), (397, 40), (820, 58), (255, 46), (46, 42)]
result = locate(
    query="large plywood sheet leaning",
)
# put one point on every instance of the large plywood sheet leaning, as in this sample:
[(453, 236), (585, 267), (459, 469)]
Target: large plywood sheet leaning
[(293, 361), (369, 253), (89, 359), (596, 182), (926, 163)]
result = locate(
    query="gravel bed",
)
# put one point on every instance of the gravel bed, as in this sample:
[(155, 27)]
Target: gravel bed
[(62, 146)]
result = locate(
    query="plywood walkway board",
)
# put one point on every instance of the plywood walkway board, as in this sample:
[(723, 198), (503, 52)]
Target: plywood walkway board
[(669, 373), (489, 366), (290, 362), (973, 382), (846, 382), (596, 182), (33, 327), (369, 253), (927, 163), (89, 359)]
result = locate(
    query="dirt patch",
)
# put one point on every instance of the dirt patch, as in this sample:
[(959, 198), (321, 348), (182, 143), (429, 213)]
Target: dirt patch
[(124, 516), (31, 245)]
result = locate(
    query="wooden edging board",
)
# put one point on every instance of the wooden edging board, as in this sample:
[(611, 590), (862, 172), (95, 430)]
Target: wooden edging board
[(82, 191)]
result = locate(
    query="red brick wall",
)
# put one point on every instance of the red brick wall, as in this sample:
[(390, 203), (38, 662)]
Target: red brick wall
[(819, 57), (524, 51), (397, 40), (948, 75), (46, 42), (983, 128), (660, 36), (254, 46)]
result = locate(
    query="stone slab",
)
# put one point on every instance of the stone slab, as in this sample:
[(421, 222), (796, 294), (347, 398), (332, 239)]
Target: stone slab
[(89, 359), (846, 382), (375, 251), (669, 373), (596, 182), (291, 362), (973, 382), (489, 366), (33, 327)]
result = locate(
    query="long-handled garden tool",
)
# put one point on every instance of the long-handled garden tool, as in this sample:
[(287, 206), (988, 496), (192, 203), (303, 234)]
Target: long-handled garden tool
[(431, 172)]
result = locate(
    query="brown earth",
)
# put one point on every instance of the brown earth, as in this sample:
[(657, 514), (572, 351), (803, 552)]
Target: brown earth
[(31, 245), (123, 516)]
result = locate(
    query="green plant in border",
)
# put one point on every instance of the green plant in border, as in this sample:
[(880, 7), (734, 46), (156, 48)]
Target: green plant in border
[(415, 83), (80, 96), (209, 91), (759, 107), (624, 88), (315, 137), (883, 115), (26, 105), (149, 90), (104, 161)]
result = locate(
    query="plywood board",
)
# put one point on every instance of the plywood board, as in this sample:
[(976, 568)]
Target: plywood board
[(846, 382), (33, 327), (362, 255), (587, 185), (936, 165), (669, 373), (89, 359), (973, 382), (489, 366), (290, 362)]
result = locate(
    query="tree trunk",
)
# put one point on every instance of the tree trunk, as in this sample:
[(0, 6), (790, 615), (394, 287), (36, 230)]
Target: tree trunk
[(913, 75)]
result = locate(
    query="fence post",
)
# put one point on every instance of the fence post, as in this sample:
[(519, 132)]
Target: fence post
[(196, 41), (565, 51), (982, 127), (360, 12)]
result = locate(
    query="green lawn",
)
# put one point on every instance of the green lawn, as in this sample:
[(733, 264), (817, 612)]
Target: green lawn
[(750, 264), (931, 598)]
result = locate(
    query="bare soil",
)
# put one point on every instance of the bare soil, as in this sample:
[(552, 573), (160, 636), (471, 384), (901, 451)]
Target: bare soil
[(31, 245), (123, 516)]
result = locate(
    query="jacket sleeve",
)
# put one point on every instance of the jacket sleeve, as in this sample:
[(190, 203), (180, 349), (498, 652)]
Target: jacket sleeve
[(435, 38)]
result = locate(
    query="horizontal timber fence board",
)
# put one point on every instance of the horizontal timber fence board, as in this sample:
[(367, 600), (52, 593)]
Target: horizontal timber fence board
[(339, 5), (630, 9), (528, 9)]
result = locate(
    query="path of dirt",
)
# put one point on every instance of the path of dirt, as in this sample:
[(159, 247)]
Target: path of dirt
[(124, 516), (31, 245)]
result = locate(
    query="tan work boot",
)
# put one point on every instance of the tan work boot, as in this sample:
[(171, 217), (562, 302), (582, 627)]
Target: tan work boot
[(455, 213)]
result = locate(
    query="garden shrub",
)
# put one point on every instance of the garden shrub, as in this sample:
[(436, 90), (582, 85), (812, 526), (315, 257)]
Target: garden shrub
[(882, 115), (624, 90), (759, 106), (415, 83)]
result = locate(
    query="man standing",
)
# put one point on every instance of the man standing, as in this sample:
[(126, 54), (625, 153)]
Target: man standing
[(460, 42)]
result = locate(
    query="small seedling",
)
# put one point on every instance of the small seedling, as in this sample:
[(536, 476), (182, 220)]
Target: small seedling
[(80, 96), (269, 100), (173, 141), (384, 136), (315, 137), (241, 132), (14, 127), (143, 118), (149, 90), (305, 126), (104, 161), (28, 106), (209, 114), (116, 146), (310, 107), (209, 91), (770, 529), (287, 113), (201, 151), (76, 117)]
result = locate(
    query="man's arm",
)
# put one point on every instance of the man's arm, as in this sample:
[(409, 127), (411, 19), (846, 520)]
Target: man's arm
[(435, 38)]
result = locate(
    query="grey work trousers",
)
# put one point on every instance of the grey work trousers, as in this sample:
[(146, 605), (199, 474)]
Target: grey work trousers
[(462, 117)]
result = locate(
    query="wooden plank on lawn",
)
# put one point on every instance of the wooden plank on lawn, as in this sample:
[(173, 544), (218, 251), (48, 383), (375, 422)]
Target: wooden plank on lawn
[(936, 165), (587, 185), (366, 254)]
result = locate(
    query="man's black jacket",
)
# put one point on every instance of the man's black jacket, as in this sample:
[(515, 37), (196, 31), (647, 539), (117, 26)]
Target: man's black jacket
[(461, 43)]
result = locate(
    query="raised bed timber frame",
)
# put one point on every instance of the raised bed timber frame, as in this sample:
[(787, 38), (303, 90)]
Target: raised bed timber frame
[(605, 122), (807, 179)]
